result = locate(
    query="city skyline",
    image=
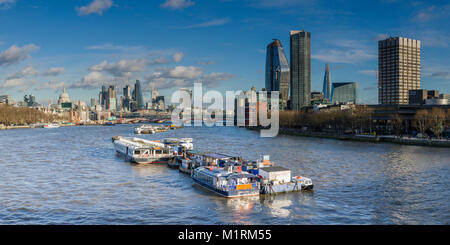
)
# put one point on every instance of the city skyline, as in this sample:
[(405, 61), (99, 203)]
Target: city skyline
[(39, 55)]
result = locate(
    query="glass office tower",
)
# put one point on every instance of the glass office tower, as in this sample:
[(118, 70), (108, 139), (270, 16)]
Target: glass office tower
[(277, 71), (300, 69), (327, 83)]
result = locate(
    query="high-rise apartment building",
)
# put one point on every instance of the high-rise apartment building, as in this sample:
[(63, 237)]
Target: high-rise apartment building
[(277, 71), (327, 83), (398, 69), (300, 69)]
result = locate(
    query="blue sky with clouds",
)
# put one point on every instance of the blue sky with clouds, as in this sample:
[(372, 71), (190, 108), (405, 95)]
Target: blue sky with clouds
[(82, 44)]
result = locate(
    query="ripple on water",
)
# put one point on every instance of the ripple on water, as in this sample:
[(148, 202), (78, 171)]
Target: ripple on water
[(72, 176)]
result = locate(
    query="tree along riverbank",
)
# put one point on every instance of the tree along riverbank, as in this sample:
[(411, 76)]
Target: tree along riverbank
[(364, 138)]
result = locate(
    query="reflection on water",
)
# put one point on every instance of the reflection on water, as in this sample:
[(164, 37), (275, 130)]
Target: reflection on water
[(73, 176)]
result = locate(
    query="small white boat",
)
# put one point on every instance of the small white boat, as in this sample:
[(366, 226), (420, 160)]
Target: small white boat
[(145, 129), (51, 126)]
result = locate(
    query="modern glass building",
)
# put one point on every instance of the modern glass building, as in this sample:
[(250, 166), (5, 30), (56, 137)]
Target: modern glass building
[(344, 93), (277, 71), (137, 96), (327, 83), (300, 69)]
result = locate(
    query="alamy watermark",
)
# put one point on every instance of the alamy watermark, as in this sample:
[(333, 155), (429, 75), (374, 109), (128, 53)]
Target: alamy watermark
[(248, 108)]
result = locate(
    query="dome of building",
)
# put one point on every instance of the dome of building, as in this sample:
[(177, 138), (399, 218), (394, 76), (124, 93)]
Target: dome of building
[(64, 97)]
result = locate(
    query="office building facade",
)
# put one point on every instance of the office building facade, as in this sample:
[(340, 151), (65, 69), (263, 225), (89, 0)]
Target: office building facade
[(327, 83), (300, 53), (398, 69), (344, 93), (277, 71)]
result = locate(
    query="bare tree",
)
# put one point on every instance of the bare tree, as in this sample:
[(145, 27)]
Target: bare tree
[(422, 121), (437, 119)]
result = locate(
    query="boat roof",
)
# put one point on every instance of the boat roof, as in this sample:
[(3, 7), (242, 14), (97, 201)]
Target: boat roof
[(220, 172), (274, 169), (217, 156)]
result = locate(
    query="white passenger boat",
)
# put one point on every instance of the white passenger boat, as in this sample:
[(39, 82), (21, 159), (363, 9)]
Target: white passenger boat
[(226, 183), (138, 150), (51, 126), (184, 143), (145, 129)]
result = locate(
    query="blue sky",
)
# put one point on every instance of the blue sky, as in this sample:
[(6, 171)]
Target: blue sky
[(83, 44)]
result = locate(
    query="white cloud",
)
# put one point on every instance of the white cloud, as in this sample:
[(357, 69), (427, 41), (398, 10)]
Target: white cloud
[(432, 12), (15, 54), (216, 22), (350, 56), (13, 82), (52, 85), (54, 71), (369, 72), (184, 76), (4, 4), (177, 57), (125, 68), (17, 80), (379, 37), (27, 71), (177, 4), (95, 7), (93, 80), (108, 46), (347, 51), (183, 72)]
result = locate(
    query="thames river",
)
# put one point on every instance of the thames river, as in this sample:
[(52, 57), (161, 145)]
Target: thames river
[(71, 175)]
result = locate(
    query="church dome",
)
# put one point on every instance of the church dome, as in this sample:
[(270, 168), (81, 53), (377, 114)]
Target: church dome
[(64, 97)]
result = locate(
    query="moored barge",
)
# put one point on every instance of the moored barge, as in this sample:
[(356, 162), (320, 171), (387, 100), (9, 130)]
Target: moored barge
[(226, 183)]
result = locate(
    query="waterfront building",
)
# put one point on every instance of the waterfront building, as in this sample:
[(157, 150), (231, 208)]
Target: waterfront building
[(277, 71), (6, 99), (327, 83), (300, 69), (344, 93), (419, 96), (398, 69), (137, 96), (64, 97)]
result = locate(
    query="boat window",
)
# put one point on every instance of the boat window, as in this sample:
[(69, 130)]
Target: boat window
[(158, 151), (137, 152)]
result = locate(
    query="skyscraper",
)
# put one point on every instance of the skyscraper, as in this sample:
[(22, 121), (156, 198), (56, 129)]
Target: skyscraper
[(277, 70), (327, 83), (112, 98), (137, 95), (398, 69), (126, 99), (300, 69), (344, 93)]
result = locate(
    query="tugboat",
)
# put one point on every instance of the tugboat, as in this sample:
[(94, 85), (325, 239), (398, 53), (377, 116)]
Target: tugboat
[(226, 182)]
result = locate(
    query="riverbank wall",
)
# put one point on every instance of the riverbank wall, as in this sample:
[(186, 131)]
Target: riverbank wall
[(364, 138)]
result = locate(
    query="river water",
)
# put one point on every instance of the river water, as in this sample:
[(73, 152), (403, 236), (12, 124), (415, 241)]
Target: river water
[(71, 175)]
